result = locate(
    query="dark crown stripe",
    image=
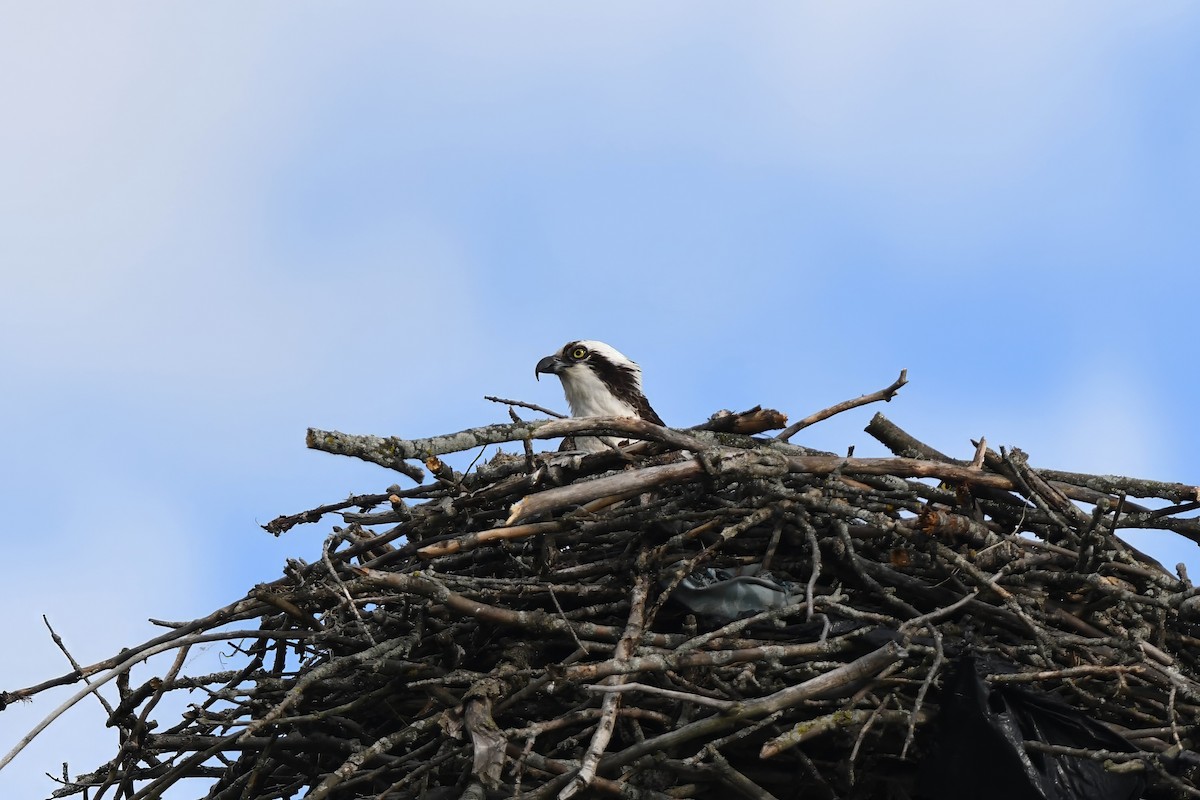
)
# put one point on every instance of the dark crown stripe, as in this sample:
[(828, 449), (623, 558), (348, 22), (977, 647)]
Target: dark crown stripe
[(619, 378), (622, 381)]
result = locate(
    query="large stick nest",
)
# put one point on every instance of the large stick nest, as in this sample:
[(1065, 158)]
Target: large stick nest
[(696, 613)]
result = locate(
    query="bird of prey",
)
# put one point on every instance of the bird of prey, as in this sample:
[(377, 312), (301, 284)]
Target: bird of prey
[(599, 381)]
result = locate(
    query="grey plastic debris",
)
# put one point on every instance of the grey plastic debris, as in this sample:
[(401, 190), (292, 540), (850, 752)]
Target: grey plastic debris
[(729, 594)]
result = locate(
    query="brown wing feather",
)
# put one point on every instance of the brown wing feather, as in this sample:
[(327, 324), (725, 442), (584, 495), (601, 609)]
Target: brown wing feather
[(622, 381), (642, 406)]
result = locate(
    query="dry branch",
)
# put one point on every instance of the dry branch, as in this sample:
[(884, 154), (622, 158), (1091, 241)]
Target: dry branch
[(885, 394)]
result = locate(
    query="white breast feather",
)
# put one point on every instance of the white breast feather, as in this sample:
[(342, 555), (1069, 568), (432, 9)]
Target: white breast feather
[(589, 397)]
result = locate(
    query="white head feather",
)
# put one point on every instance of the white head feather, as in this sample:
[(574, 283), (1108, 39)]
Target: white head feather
[(588, 395), (599, 381)]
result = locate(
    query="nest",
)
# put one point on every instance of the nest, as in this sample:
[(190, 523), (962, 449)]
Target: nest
[(699, 613)]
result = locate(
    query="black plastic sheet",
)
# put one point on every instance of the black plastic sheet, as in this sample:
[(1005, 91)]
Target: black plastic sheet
[(978, 749)]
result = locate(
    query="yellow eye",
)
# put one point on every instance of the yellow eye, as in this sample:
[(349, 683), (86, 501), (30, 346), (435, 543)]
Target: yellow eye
[(579, 353)]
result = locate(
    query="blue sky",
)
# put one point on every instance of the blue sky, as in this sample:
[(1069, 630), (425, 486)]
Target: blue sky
[(221, 224)]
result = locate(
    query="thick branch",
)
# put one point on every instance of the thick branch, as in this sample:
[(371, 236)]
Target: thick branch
[(747, 464)]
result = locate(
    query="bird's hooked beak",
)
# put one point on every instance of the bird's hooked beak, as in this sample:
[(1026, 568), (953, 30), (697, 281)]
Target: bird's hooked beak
[(551, 365)]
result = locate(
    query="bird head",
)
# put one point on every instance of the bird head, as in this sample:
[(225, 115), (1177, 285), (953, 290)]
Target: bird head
[(597, 379)]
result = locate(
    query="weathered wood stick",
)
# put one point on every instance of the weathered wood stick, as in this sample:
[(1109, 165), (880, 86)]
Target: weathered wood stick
[(393, 452), (750, 461), (885, 394)]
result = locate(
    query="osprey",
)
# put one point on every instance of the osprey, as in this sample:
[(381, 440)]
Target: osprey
[(599, 381)]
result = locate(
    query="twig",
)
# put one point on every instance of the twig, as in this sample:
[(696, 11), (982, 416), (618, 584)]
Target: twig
[(885, 394), (810, 534), (862, 735), (74, 664), (934, 668), (1085, 670), (682, 697), (341, 585), (393, 452), (283, 524), (521, 404), (839, 720)]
